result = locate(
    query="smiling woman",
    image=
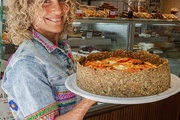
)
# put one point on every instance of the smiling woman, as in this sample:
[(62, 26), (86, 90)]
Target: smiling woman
[(34, 79), (51, 19), (27, 11)]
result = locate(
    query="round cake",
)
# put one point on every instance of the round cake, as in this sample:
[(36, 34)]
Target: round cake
[(123, 74)]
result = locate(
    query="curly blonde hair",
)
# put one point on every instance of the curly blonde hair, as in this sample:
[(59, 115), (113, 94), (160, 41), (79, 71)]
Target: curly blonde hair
[(21, 14)]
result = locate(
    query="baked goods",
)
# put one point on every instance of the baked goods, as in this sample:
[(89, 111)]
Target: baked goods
[(169, 17), (101, 11), (122, 82), (88, 49), (174, 10)]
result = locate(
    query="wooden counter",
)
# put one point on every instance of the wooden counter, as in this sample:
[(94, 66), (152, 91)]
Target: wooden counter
[(167, 109)]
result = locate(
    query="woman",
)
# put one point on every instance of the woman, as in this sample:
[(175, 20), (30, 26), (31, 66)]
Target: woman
[(35, 76)]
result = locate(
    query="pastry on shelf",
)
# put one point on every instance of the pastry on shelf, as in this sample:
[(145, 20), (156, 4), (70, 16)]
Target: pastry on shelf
[(88, 49), (133, 9), (159, 16), (169, 16), (174, 10)]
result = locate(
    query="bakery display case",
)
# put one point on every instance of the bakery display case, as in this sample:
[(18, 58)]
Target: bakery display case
[(5, 112), (7, 49), (157, 36), (105, 34), (160, 37), (1, 13)]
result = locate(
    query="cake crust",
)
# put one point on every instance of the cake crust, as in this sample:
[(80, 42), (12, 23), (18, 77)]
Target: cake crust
[(117, 83)]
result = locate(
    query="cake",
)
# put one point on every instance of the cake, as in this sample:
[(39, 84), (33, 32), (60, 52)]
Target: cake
[(121, 81)]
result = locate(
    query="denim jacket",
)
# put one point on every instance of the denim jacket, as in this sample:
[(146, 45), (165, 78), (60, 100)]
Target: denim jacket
[(35, 79)]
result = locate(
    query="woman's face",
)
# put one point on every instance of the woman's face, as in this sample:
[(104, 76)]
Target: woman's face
[(51, 17)]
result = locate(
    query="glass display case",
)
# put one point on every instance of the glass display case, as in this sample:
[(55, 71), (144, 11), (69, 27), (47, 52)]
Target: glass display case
[(105, 34), (7, 49), (5, 112), (1, 13), (160, 37)]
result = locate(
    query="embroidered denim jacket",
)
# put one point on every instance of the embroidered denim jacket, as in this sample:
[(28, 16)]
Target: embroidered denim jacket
[(35, 79)]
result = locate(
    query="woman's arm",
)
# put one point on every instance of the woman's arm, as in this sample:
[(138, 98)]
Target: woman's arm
[(78, 112)]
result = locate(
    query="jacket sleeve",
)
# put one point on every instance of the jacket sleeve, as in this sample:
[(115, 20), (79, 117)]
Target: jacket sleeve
[(29, 93)]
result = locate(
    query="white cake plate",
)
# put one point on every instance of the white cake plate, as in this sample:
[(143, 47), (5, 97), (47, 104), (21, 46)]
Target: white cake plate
[(175, 88)]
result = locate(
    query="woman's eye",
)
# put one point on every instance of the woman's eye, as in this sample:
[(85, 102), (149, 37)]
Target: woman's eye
[(62, 0), (46, 1)]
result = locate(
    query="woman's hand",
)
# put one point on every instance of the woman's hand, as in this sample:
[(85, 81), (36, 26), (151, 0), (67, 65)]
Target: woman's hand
[(78, 112)]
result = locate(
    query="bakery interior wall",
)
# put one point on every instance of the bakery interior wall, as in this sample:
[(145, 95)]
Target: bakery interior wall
[(168, 4)]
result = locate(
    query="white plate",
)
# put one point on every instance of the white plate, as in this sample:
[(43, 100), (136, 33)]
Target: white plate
[(175, 88)]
